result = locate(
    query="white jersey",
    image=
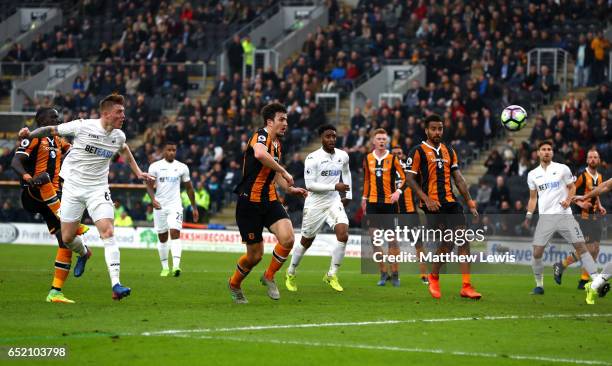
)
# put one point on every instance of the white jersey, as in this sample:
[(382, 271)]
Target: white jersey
[(551, 185), (168, 178), (321, 172), (92, 149)]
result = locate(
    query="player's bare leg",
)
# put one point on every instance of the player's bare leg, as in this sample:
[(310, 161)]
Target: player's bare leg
[(338, 252), (283, 230), (467, 290), (296, 258), (163, 249), (244, 266)]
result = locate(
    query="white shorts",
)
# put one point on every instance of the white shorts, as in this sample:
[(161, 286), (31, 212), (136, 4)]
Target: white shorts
[(168, 218), (564, 224), (314, 218), (96, 200)]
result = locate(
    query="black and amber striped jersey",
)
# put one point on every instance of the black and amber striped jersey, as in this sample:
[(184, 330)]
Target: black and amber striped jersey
[(43, 155), (380, 176), (585, 183), (433, 167), (406, 201), (257, 180)]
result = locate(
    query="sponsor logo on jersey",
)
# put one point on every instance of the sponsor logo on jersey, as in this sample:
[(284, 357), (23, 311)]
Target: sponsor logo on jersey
[(98, 151), (330, 173), (168, 179), (549, 185)]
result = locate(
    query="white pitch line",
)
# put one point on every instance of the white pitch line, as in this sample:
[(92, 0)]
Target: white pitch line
[(374, 322), (401, 349)]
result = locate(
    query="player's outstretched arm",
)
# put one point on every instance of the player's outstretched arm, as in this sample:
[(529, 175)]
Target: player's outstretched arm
[(127, 154), (296, 191), (260, 151), (465, 192), (603, 188), (191, 195), (46, 131)]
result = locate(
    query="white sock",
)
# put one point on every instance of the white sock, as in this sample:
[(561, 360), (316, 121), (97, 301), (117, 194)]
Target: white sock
[(538, 269), (113, 259), (177, 249), (337, 257), (77, 246), (296, 257), (163, 249), (588, 263), (606, 274), (598, 281)]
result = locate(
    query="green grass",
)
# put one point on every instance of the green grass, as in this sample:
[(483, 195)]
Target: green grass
[(98, 330)]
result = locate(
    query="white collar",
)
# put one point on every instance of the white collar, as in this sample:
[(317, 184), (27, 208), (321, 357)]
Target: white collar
[(382, 158), (431, 147), (594, 177)]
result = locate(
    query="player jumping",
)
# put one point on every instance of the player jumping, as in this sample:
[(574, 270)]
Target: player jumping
[(322, 171), (590, 219), (434, 163), (551, 188), (85, 174), (258, 205), (166, 200), (37, 161)]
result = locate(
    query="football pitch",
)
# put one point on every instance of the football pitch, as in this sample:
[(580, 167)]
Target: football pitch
[(191, 320)]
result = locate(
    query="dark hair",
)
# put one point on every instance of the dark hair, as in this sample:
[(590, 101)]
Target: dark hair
[(326, 127), (432, 118), (111, 100), (170, 142), (269, 111), (41, 112), (545, 142)]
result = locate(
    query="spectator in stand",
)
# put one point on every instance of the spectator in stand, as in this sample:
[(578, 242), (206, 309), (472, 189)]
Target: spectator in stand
[(499, 193)]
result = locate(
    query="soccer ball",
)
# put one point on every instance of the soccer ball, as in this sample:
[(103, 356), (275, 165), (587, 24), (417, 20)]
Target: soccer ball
[(514, 117)]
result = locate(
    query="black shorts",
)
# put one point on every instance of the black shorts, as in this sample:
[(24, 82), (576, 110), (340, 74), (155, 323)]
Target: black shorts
[(34, 204), (449, 216), (381, 208), (252, 217), (591, 230)]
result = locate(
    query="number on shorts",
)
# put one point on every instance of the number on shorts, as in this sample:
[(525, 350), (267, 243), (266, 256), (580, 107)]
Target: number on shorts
[(179, 216), (107, 196)]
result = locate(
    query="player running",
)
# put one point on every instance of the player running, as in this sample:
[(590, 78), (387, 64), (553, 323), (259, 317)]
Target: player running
[(434, 163), (85, 174), (381, 171), (322, 171), (258, 205), (37, 161), (551, 188), (407, 210), (166, 200), (590, 219), (599, 285)]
